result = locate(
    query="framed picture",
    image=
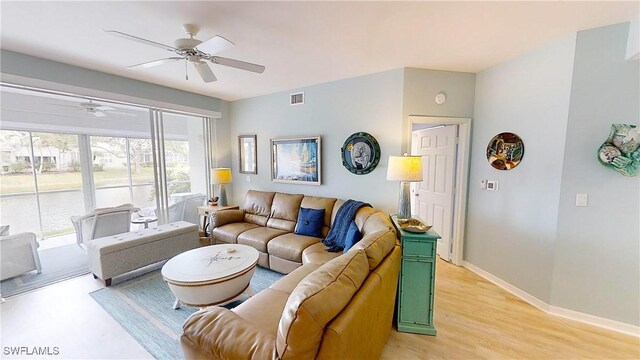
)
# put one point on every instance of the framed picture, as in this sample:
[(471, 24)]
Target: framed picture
[(360, 153), (296, 160), (248, 154)]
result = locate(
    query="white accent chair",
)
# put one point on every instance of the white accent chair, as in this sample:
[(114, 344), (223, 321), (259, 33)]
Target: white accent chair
[(102, 222), (18, 255), (187, 209)]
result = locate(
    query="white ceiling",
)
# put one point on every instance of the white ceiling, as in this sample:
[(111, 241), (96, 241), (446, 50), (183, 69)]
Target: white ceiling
[(300, 43)]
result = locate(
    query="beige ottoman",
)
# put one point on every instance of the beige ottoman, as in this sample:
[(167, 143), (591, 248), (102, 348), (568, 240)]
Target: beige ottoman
[(118, 254)]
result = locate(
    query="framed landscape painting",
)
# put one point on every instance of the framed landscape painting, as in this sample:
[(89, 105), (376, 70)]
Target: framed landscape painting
[(296, 160)]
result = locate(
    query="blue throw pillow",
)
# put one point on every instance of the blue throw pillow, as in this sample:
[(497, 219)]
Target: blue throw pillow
[(353, 236), (310, 222)]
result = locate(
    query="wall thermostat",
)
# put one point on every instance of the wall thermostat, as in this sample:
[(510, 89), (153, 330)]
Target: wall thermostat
[(441, 98)]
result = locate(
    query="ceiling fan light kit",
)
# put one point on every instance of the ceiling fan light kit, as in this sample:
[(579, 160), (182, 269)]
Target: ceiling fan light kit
[(194, 51)]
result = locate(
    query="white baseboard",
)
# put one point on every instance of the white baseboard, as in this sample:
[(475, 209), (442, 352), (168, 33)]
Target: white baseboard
[(555, 310)]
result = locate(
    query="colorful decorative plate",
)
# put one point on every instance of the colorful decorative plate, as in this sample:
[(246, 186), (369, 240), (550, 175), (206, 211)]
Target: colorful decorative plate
[(505, 151), (360, 153)]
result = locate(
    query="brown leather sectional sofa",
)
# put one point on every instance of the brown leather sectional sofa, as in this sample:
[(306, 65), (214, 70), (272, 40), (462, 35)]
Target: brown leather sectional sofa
[(329, 306)]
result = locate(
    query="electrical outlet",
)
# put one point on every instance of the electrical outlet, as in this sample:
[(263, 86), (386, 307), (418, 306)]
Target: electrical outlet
[(582, 200)]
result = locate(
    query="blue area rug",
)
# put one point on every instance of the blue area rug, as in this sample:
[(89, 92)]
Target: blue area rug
[(59, 263), (143, 306)]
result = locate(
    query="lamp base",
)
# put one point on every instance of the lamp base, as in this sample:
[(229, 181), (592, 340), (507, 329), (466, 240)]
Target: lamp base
[(404, 201), (223, 196)]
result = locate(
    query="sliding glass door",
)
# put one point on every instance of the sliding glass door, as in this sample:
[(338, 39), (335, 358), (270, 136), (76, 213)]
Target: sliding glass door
[(18, 202)]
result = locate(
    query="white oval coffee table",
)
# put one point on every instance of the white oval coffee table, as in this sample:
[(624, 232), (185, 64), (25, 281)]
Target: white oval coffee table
[(210, 275)]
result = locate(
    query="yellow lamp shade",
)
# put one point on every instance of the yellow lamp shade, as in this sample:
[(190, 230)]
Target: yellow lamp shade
[(221, 176), (405, 168)]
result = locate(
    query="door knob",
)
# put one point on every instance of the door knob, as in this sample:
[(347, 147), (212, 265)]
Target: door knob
[(416, 194)]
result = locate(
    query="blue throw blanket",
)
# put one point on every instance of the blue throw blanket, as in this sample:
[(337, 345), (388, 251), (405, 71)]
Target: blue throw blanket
[(335, 238)]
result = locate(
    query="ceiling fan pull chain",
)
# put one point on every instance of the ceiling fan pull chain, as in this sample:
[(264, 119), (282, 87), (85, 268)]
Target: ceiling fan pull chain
[(186, 72)]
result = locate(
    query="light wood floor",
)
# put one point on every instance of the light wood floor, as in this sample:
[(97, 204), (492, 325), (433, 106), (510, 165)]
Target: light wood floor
[(476, 319)]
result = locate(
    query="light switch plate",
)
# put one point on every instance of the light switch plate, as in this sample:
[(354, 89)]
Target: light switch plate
[(483, 184), (248, 178), (582, 200), (492, 185)]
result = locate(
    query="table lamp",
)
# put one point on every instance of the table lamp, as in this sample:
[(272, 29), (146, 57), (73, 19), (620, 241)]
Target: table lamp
[(405, 169), (221, 176)]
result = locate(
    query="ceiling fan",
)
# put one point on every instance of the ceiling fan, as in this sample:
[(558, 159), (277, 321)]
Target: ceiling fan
[(95, 109), (193, 51)]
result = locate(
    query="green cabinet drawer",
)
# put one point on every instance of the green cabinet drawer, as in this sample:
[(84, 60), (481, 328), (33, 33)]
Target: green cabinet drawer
[(416, 298), (418, 248)]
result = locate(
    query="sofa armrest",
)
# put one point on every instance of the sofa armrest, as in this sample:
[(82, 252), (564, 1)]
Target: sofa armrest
[(226, 217), (222, 334)]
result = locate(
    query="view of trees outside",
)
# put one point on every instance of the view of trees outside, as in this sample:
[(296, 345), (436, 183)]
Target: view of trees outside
[(122, 172), (56, 164), (18, 206), (111, 162), (177, 160)]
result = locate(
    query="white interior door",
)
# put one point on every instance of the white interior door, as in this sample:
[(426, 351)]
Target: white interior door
[(433, 197)]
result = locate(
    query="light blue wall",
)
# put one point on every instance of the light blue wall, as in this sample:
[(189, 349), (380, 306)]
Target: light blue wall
[(597, 254), (378, 104), (511, 233), (420, 89), (334, 110)]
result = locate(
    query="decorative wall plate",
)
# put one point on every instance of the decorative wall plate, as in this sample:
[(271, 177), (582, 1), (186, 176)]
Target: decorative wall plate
[(505, 151), (360, 153), (621, 151)]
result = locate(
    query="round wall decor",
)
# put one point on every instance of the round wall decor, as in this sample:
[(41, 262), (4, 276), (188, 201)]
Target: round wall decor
[(505, 151), (360, 153)]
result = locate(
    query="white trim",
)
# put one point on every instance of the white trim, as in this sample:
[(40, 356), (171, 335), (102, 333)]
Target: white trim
[(508, 287), (555, 310), (462, 178), (100, 95), (595, 320)]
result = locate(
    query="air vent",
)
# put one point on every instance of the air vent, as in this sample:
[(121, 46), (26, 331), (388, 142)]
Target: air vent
[(296, 98)]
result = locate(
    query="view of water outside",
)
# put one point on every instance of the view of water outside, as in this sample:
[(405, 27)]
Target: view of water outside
[(58, 173)]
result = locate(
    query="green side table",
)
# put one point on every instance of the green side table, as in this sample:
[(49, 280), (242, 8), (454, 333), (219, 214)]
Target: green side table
[(417, 281)]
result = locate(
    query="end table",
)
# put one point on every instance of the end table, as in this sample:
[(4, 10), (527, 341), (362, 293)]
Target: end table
[(417, 281)]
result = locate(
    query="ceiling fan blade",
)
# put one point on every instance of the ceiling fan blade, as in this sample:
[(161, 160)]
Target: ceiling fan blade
[(153, 63), (205, 72), (238, 64), (104, 108), (99, 114), (141, 40), (63, 105), (215, 45)]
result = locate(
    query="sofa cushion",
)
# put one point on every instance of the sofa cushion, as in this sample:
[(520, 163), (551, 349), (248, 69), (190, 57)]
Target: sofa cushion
[(264, 310), (259, 237), (257, 206), (376, 245), (352, 237), (220, 218), (318, 254), (314, 202), (284, 211), (375, 222), (316, 301), (310, 222), (289, 282), (290, 246), (229, 233)]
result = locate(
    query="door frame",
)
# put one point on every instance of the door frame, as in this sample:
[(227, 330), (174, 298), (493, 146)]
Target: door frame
[(462, 176)]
